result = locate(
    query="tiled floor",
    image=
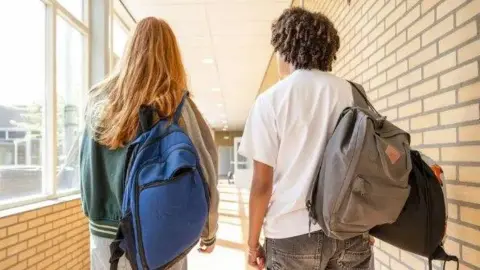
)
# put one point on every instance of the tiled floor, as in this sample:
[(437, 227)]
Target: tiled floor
[(230, 252)]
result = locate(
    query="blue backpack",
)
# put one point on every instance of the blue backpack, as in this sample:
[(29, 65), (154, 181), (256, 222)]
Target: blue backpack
[(165, 201)]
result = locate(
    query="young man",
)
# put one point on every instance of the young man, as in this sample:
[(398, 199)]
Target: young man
[(286, 135)]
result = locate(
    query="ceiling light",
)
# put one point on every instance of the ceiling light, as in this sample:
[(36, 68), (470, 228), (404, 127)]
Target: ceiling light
[(224, 121), (225, 129), (226, 137), (219, 105), (215, 89), (207, 61)]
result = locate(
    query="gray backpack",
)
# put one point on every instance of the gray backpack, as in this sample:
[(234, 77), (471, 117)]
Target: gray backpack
[(362, 180)]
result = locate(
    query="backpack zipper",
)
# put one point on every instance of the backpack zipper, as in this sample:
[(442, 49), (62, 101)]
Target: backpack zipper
[(140, 250), (161, 182)]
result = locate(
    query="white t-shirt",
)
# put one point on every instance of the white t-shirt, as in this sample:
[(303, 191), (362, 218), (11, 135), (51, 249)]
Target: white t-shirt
[(288, 128)]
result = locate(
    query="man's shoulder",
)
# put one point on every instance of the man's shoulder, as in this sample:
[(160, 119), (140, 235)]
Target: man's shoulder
[(281, 87)]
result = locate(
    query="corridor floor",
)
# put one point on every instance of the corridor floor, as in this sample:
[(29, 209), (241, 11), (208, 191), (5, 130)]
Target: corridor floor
[(231, 249)]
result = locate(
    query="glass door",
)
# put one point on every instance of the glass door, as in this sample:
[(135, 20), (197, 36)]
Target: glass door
[(243, 167)]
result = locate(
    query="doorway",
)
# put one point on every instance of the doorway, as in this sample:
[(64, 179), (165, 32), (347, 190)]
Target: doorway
[(243, 167)]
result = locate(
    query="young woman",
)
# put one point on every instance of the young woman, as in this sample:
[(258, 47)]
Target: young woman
[(150, 73)]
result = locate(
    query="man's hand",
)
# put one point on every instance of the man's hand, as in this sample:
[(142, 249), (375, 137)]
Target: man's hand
[(256, 257), (207, 249)]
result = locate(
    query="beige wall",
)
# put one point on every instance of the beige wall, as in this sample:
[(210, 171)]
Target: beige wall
[(52, 237), (419, 62), (271, 75)]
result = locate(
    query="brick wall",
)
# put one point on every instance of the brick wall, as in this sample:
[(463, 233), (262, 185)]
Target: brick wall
[(52, 237), (419, 62)]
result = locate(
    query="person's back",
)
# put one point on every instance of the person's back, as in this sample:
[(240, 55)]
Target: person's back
[(151, 74), (286, 135), (305, 106)]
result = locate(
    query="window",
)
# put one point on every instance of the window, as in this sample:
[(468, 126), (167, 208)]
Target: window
[(21, 110), (44, 79), (119, 38), (17, 134), (70, 89), (44, 62), (75, 7)]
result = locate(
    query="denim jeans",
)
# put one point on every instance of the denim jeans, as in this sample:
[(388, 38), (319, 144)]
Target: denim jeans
[(318, 252)]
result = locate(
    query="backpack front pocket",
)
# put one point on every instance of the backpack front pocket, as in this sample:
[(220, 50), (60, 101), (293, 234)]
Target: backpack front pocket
[(170, 211), (366, 206)]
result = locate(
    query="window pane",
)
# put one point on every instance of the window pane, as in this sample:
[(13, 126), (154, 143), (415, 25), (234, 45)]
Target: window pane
[(16, 134), (73, 6), (23, 95), (70, 86), (120, 37)]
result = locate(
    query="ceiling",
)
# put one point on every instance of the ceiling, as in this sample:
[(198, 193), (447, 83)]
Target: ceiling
[(226, 49)]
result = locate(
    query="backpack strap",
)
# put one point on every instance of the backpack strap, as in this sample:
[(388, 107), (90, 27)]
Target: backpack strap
[(145, 116), (360, 98), (178, 111), (116, 251)]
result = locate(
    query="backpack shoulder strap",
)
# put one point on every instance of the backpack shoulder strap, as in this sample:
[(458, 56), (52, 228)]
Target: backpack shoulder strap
[(178, 111), (116, 251), (360, 98)]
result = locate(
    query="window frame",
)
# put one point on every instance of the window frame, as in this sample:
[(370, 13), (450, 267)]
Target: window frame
[(116, 15), (49, 141), (117, 11)]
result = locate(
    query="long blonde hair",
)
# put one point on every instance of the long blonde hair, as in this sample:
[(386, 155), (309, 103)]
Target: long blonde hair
[(151, 72)]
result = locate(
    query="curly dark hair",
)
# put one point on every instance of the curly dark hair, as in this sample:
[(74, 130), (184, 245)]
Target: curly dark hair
[(307, 40)]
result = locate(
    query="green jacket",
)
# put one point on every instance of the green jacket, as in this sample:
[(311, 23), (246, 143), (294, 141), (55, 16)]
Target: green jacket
[(102, 173)]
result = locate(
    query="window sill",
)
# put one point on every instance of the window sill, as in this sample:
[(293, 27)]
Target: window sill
[(35, 203)]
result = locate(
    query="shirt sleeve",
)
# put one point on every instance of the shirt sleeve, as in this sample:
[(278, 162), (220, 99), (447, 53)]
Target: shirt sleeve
[(260, 138)]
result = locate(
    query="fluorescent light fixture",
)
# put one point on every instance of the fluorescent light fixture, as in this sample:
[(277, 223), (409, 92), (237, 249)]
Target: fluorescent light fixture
[(207, 61), (215, 89), (226, 137), (219, 105)]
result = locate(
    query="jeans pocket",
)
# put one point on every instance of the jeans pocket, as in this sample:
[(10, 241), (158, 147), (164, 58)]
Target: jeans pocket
[(300, 252), (357, 254)]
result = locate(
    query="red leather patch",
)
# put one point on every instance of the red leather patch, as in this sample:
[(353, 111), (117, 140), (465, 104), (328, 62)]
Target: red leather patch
[(393, 154), (438, 172)]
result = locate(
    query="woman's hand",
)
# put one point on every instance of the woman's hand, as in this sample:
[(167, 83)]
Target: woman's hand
[(256, 257)]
